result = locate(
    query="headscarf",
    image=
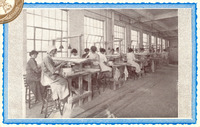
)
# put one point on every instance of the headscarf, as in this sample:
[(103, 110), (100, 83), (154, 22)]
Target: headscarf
[(50, 48)]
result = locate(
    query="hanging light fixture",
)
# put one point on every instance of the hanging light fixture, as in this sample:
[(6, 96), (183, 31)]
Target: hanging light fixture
[(61, 47), (69, 47)]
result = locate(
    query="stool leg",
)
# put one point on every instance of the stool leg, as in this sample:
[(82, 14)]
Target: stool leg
[(26, 95), (29, 98), (46, 104), (43, 103)]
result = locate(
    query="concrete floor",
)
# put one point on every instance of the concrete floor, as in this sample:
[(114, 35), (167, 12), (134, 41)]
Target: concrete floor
[(153, 95)]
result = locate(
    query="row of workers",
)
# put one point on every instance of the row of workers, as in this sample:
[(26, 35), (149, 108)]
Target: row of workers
[(46, 75)]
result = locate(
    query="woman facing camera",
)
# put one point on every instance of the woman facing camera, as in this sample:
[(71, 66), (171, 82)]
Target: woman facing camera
[(94, 57), (33, 74)]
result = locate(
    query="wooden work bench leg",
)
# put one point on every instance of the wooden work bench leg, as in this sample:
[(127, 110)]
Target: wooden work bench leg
[(80, 83), (114, 85), (69, 104), (114, 82), (90, 86), (121, 76), (152, 66)]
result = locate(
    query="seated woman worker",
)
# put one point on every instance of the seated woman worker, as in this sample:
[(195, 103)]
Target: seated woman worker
[(131, 60), (33, 74), (58, 84), (103, 61)]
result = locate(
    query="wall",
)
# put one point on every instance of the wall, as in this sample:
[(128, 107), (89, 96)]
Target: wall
[(186, 78), (15, 68), (76, 28), (173, 51)]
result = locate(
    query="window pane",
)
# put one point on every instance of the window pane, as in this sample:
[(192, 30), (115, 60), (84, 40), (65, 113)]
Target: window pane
[(45, 12), (45, 35), (30, 19), (38, 21), (64, 25), (30, 45), (93, 32), (58, 34), (58, 14), (65, 46), (30, 33), (52, 13), (37, 11), (52, 35), (58, 24), (52, 23), (64, 15), (64, 34), (45, 18), (57, 44), (30, 11), (44, 45), (39, 58), (38, 33), (38, 46), (45, 23), (119, 34)]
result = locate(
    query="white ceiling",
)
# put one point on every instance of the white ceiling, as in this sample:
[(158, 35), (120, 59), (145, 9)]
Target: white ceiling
[(161, 21)]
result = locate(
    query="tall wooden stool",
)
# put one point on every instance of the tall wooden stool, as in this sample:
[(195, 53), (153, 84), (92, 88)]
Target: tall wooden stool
[(49, 105), (29, 96)]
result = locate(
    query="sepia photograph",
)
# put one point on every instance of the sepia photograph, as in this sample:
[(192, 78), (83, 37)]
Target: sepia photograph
[(100, 63)]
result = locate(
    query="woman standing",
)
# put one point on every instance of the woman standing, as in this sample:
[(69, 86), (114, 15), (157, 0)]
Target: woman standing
[(33, 74)]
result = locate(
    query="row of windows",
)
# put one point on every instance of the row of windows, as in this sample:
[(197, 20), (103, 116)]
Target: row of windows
[(43, 27), (46, 25), (160, 45), (93, 32)]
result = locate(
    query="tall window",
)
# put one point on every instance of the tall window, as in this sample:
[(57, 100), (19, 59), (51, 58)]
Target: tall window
[(158, 44), (134, 39), (120, 38), (44, 27), (153, 42), (145, 41), (167, 43), (163, 44), (94, 32)]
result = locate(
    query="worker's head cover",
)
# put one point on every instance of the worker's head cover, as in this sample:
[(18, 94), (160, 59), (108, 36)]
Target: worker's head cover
[(50, 48)]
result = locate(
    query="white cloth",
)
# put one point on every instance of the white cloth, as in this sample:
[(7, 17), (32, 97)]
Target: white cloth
[(130, 60), (45, 81), (94, 57), (50, 48), (73, 56), (58, 90), (117, 74), (165, 55), (125, 73), (103, 66)]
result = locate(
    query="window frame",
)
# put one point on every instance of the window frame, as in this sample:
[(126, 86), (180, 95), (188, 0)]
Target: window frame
[(137, 41), (122, 44), (98, 31), (36, 37)]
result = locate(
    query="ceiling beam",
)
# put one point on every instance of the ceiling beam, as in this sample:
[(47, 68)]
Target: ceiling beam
[(168, 15), (149, 16), (170, 29)]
